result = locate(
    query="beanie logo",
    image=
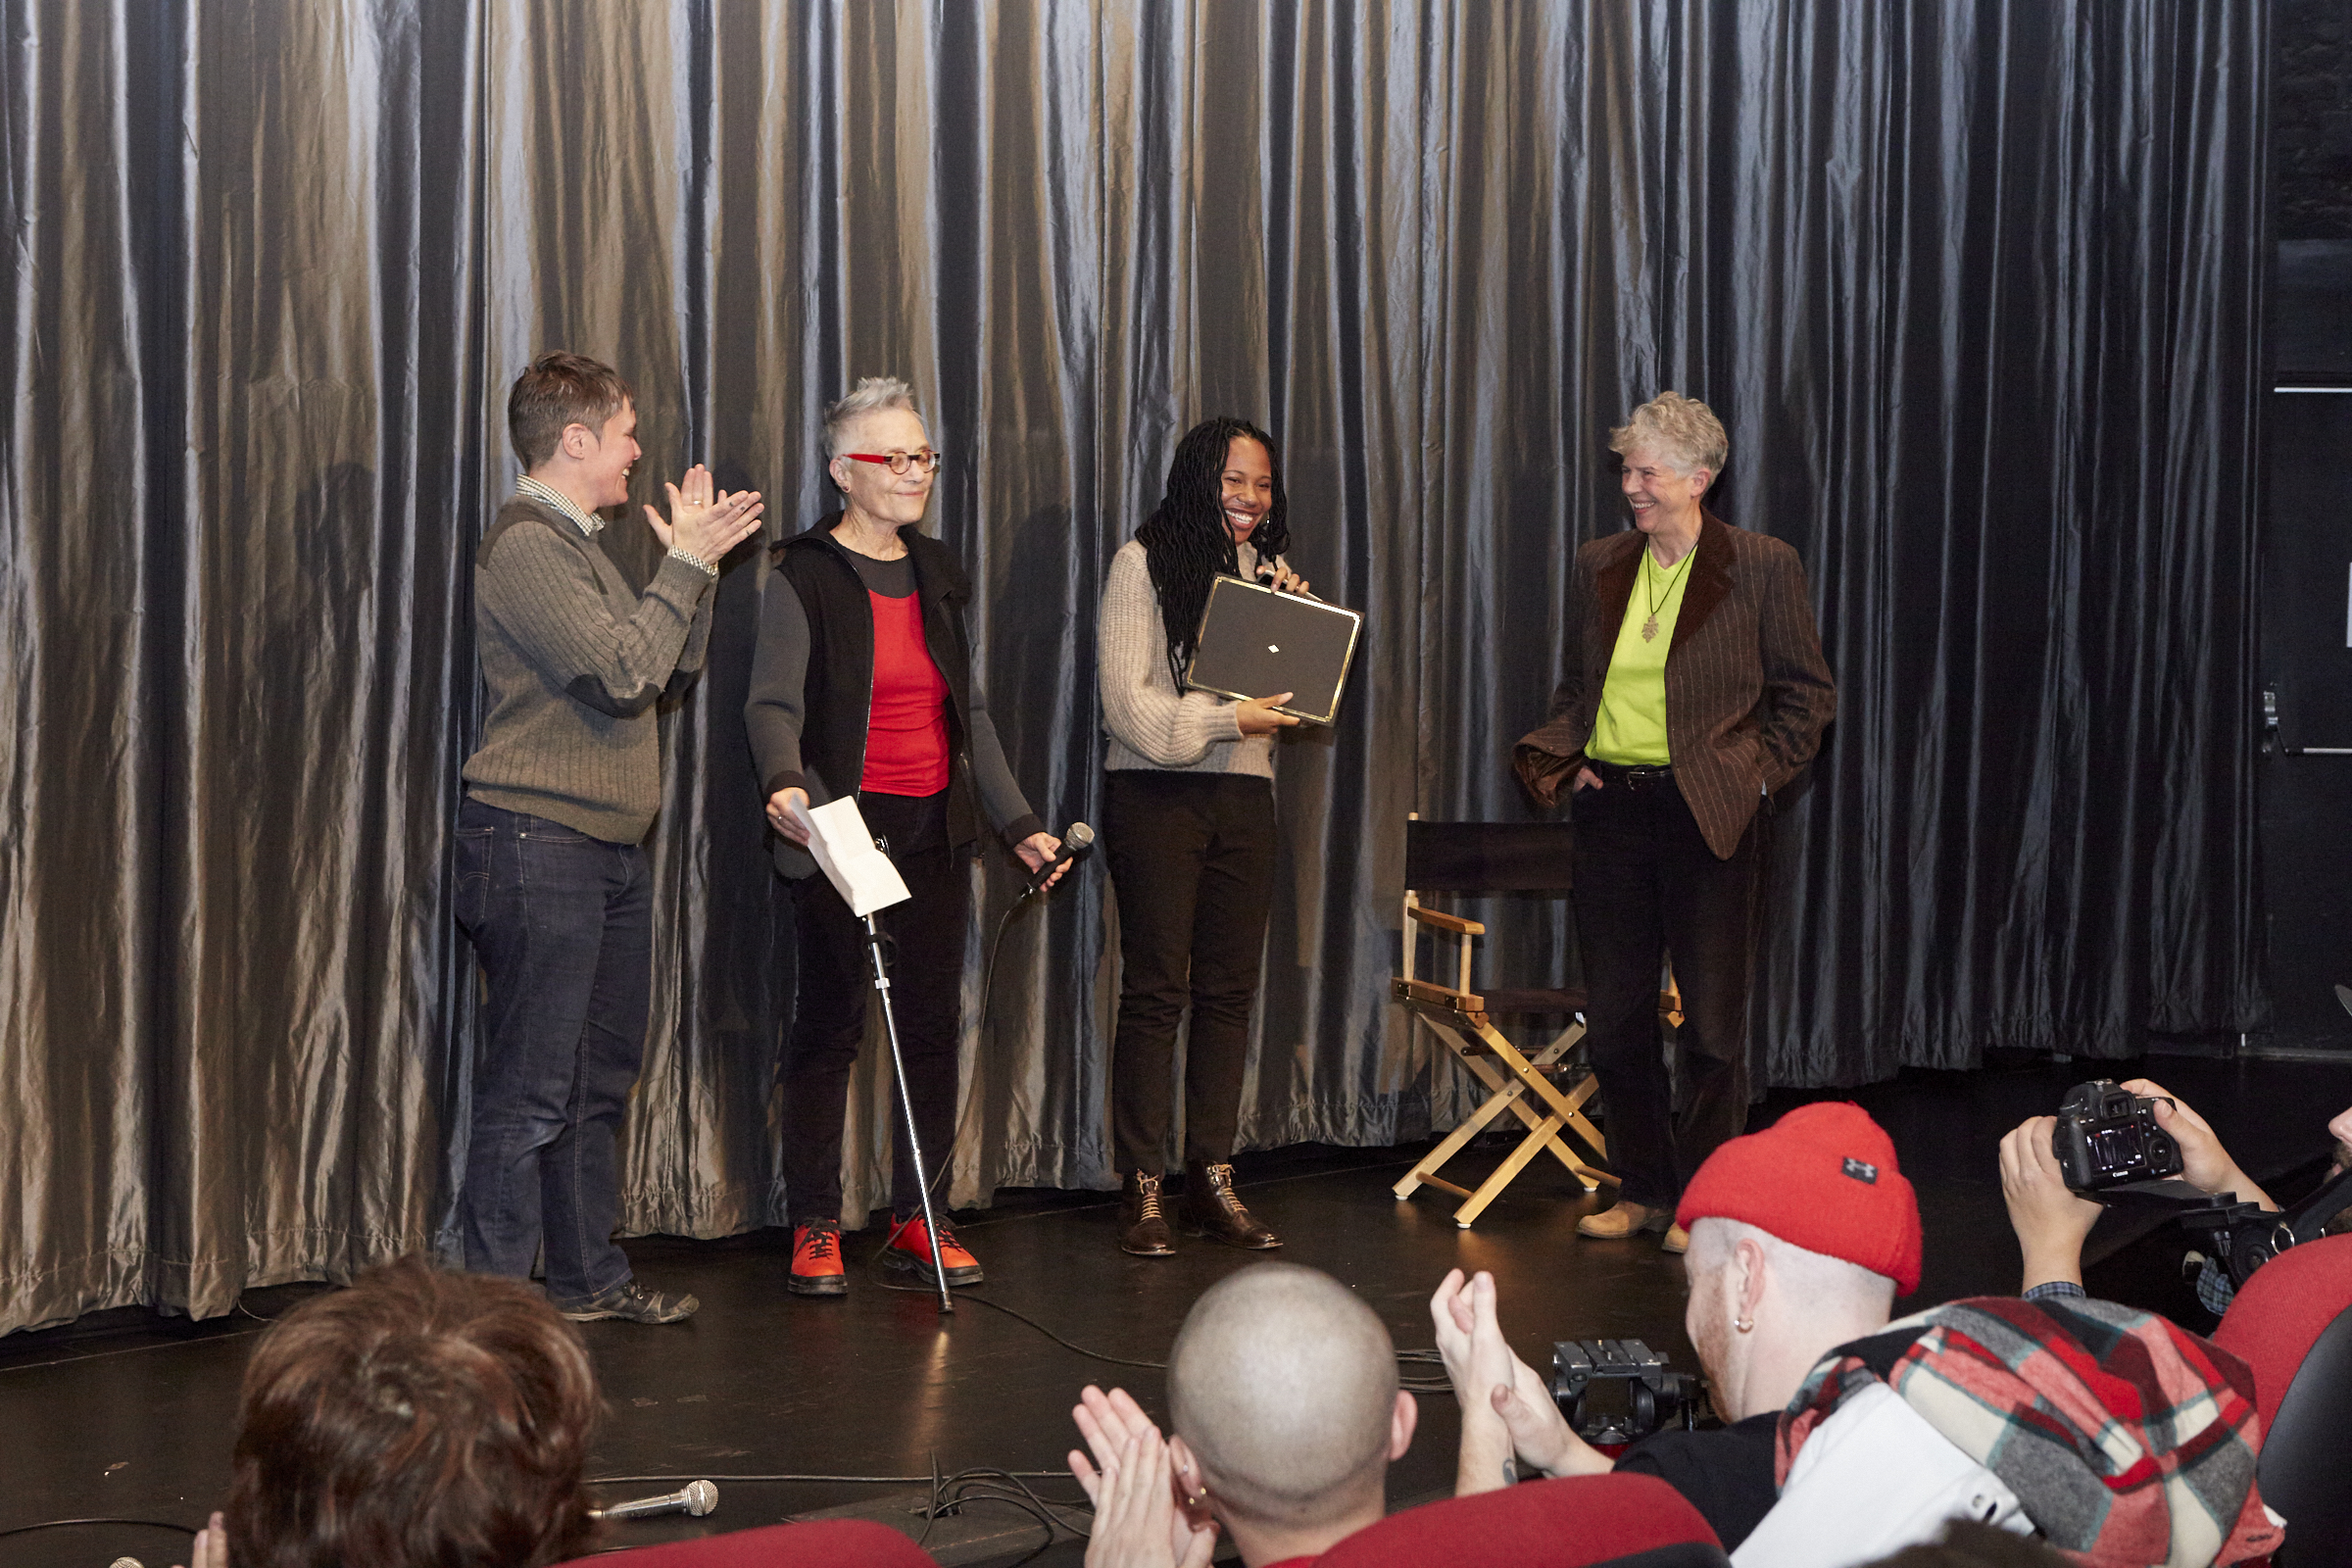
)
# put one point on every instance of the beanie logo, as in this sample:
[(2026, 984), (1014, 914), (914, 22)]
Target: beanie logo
[(1861, 1171)]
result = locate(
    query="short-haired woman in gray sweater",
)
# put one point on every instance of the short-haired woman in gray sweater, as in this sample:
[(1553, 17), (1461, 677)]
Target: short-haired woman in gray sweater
[(1187, 824)]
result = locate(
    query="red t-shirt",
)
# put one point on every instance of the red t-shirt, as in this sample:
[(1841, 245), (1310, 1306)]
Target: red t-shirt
[(906, 726)]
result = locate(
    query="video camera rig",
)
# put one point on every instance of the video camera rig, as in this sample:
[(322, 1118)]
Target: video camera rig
[(2108, 1144), (1616, 1392)]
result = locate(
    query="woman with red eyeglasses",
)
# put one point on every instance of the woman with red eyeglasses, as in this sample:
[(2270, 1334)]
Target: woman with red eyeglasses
[(863, 685)]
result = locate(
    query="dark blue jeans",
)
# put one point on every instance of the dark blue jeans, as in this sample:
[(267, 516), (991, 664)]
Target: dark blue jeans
[(563, 926)]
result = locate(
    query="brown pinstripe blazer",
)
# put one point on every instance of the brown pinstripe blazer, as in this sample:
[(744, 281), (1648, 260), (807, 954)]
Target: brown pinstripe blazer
[(1747, 693)]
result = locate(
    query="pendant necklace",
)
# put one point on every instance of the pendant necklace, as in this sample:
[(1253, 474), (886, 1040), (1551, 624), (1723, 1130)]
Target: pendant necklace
[(1649, 627)]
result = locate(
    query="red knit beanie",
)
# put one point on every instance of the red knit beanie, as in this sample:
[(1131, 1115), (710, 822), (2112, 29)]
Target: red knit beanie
[(1823, 1178)]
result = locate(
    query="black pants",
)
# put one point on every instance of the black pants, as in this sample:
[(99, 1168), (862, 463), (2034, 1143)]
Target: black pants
[(828, 1017), (1192, 861), (1647, 885)]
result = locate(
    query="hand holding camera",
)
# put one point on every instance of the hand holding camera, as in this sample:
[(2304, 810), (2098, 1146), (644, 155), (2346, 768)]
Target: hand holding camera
[(2050, 1219), (2057, 1172), (2113, 1142), (2108, 1136), (2204, 1164)]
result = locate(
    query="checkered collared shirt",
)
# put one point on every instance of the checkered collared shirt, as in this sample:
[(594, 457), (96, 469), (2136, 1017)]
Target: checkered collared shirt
[(532, 489)]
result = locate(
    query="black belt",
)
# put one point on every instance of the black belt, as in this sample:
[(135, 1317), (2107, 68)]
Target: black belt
[(1638, 776)]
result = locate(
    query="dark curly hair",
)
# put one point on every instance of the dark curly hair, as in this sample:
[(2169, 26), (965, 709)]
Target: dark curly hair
[(1185, 542), (421, 1419)]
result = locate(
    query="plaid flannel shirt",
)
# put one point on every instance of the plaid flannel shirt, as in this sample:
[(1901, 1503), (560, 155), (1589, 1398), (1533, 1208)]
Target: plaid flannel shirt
[(2129, 1441)]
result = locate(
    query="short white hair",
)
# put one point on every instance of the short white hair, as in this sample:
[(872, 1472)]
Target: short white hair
[(1810, 1276), (1683, 430), (871, 395)]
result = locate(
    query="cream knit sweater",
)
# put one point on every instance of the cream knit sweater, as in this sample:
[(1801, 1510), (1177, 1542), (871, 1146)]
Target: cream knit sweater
[(1150, 723)]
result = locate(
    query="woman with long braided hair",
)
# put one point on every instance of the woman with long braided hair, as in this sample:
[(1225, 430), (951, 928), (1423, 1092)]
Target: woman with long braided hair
[(1188, 823)]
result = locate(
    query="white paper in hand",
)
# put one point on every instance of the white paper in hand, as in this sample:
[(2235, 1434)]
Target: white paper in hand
[(845, 852)]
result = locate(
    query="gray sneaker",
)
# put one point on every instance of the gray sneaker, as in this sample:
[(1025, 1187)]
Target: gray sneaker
[(634, 1303)]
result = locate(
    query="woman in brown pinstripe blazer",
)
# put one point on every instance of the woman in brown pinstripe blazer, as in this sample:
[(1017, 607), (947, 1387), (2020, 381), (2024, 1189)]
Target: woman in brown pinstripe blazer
[(1694, 688)]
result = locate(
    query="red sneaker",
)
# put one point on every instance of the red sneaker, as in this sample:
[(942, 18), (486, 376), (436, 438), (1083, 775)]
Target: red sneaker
[(909, 1248), (816, 1262)]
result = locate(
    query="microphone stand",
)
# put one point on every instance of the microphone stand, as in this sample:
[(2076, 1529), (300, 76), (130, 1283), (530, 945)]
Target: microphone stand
[(914, 1141)]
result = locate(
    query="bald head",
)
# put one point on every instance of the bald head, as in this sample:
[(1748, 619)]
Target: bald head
[(1284, 1384)]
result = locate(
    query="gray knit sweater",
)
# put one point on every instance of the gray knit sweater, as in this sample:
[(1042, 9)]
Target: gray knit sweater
[(1150, 723), (575, 662)]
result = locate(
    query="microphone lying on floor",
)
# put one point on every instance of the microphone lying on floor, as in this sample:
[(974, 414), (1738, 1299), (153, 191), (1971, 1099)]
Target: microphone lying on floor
[(696, 1497)]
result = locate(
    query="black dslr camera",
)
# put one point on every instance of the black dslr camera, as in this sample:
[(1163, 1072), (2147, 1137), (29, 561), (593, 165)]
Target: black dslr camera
[(2107, 1137), (2109, 1147), (1616, 1392)]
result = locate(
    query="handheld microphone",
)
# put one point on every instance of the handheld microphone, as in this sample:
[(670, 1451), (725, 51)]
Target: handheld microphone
[(1076, 844), (697, 1498)]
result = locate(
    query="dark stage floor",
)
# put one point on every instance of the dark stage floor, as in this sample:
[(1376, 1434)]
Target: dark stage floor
[(128, 1414)]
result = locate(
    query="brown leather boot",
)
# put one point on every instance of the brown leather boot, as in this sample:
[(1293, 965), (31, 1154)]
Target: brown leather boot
[(1143, 1226), (1212, 1208)]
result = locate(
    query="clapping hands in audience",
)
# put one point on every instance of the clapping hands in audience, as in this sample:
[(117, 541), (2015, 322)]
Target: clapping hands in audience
[(1508, 1408), (1142, 1514)]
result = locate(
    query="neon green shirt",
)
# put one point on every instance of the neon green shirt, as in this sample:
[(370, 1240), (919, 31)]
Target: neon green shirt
[(1630, 729)]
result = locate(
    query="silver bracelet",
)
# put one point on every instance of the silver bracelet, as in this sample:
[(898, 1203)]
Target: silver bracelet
[(693, 560)]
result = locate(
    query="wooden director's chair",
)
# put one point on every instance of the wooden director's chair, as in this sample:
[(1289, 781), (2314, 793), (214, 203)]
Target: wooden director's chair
[(1498, 858)]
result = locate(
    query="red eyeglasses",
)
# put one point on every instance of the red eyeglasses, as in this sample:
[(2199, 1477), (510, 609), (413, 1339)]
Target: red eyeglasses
[(899, 462)]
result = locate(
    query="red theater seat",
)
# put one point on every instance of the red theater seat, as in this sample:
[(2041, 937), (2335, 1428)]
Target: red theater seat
[(2292, 1323), (2284, 1308), (818, 1543), (1577, 1522)]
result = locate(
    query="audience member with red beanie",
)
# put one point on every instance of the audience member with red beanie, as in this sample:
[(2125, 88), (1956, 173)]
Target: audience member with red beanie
[(1801, 1236)]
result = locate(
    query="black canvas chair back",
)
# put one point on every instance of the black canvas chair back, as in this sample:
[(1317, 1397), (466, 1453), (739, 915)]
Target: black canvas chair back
[(1490, 857)]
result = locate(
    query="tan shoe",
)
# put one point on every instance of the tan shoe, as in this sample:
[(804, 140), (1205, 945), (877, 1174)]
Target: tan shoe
[(1677, 1240), (1626, 1219)]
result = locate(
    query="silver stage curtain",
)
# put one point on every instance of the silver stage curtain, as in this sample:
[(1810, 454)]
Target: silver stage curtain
[(1973, 283)]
